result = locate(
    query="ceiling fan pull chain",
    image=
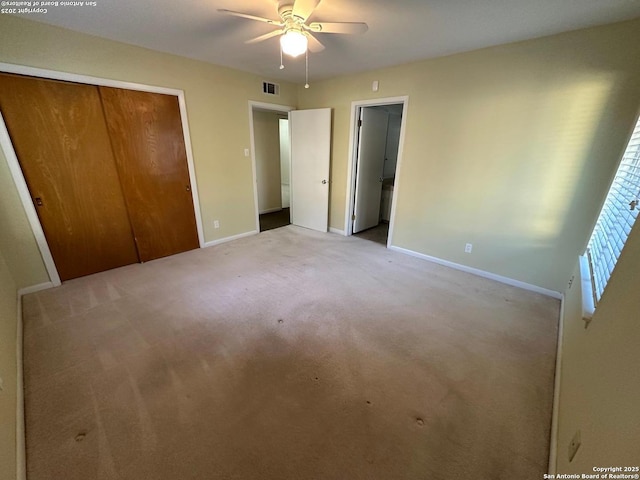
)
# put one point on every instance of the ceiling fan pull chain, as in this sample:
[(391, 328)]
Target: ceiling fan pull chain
[(281, 64), (306, 69)]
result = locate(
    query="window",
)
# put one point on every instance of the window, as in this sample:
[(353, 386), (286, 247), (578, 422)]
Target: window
[(618, 215)]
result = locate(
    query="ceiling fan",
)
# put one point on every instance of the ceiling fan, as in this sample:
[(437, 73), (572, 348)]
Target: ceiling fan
[(296, 35)]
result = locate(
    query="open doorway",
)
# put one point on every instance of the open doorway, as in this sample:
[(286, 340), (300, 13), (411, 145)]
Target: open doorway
[(306, 170), (377, 142), (272, 166)]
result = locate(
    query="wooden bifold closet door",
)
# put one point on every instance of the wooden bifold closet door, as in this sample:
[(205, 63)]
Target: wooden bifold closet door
[(60, 137), (106, 169)]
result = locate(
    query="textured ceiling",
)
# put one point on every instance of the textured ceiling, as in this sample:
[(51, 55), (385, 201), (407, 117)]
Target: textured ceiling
[(400, 31)]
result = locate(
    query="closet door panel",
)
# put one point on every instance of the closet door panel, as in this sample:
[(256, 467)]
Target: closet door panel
[(148, 145), (60, 137)]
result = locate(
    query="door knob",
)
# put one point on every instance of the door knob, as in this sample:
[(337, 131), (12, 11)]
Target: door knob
[(188, 188), (38, 201), (324, 182)]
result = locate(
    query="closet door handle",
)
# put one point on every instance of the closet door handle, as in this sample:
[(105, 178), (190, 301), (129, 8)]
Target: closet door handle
[(38, 201), (188, 188)]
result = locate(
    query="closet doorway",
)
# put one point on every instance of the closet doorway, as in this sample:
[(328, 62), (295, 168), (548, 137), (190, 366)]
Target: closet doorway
[(377, 141), (103, 172)]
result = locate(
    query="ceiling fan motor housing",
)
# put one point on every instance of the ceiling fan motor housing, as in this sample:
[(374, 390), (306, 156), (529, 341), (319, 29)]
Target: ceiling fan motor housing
[(288, 18)]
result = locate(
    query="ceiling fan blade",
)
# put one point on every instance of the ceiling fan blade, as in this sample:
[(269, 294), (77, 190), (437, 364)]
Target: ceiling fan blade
[(303, 8), (266, 36), (250, 17), (338, 27), (314, 44)]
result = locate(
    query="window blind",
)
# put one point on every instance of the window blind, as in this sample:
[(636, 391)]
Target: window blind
[(616, 218)]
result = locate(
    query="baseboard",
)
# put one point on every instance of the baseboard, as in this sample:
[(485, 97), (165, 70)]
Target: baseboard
[(553, 439), (337, 230), (21, 466), (35, 288), (480, 273), (270, 210), (230, 239)]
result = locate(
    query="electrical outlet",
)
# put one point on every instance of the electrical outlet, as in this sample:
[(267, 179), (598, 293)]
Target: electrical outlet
[(468, 247), (216, 224), (574, 445)]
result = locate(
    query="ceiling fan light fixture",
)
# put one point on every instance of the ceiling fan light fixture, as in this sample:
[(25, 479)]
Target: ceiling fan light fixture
[(294, 43)]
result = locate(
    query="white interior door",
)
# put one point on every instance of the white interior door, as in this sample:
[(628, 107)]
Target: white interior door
[(310, 153), (371, 153)]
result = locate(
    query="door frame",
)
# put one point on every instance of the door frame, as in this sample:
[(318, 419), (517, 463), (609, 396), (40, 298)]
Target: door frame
[(18, 176), (352, 161), (268, 107)]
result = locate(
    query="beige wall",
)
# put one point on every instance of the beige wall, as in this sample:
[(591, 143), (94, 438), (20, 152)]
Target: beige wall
[(285, 162), (266, 134), (509, 148), (16, 238), (217, 105), (8, 317), (600, 382)]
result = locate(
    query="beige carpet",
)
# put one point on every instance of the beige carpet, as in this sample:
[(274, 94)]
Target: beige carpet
[(288, 355)]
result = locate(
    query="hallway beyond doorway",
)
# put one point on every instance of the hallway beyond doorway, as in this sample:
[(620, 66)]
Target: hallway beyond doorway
[(377, 234), (269, 221)]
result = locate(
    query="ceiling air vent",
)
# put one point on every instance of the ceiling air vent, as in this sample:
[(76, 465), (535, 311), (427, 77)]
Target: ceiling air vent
[(270, 88)]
